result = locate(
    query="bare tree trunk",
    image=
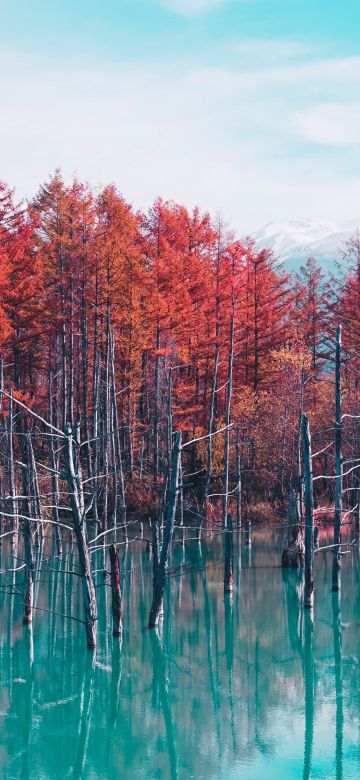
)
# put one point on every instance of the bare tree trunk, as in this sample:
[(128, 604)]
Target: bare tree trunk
[(159, 582), (238, 479), (247, 535), (54, 480), (336, 572), (76, 494), (121, 509), (28, 543), (116, 591), (228, 548), (181, 495), (210, 440), (35, 502), (95, 464), (309, 516), (228, 414), (293, 552), (1, 510), (299, 486), (11, 473), (156, 404), (156, 549)]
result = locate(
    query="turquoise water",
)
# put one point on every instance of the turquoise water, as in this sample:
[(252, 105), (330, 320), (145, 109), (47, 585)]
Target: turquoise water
[(246, 690)]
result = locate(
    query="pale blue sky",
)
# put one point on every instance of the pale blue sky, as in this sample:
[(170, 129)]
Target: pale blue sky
[(250, 107)]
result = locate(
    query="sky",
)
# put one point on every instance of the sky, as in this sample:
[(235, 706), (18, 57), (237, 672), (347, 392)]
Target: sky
[(247, 108)]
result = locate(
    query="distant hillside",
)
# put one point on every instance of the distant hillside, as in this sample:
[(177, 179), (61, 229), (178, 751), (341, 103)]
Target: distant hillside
[(293, 242)]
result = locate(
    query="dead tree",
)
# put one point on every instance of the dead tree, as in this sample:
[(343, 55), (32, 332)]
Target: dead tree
[(11, 472), (35, 502), (27, 535), (76, 492), (115, 591), (119, 475), (159, 580), (228, 550), (336, 571), (238, 479), (210, 441), (309, 516), (247, 535), (293, 552), (228, 413), (156, 548), (54, 479)]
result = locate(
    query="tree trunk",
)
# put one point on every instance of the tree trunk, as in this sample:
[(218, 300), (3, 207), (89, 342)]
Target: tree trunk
[(293, 553), (121, 509), (159, 581), (76, 494), (11, 474), (28, 542), (228, 545), (210, 441), (336, 572), (116, 591), (228, 415), (309, 516), (238, 479)]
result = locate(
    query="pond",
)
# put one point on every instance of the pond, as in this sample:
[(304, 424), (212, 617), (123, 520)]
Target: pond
[(232, 689)]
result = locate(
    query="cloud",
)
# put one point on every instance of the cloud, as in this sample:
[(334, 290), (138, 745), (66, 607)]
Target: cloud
[(191, 7), (234, 138), (330, 124)]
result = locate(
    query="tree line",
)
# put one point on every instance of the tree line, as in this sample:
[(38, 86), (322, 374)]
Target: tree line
[(156, 367)]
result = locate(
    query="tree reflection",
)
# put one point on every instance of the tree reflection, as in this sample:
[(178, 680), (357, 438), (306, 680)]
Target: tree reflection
[(309, 683), (160, 684), (336, 608)]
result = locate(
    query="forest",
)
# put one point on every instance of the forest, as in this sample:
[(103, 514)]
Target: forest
[(156, 372)]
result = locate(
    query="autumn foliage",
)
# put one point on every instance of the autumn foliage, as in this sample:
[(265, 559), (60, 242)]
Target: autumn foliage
[(83, 275)]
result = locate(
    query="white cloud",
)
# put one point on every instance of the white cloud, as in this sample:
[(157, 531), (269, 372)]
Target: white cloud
[(191, 7), (225, 138), (334, 124)]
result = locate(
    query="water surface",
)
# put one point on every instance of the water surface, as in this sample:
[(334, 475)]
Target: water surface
[(238, 689)]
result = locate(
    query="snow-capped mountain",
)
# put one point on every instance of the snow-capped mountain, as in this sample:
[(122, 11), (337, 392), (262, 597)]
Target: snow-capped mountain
[(293, 242)]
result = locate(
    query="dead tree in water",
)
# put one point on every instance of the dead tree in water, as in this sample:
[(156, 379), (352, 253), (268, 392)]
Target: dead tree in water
[(116, 591), (119, 474), (54, 478), (293, 552), (309, 516), (26, 527), (238, 479), (159, 579), (228, 549), (155, 546), (74, 479), (336, 572), (209, 442), (228, 414), (11, 472)]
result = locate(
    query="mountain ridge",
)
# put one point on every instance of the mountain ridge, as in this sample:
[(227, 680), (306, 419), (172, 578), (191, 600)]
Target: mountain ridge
[(294, 241)]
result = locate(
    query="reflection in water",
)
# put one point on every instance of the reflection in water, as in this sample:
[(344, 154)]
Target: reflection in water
[(294, 593), (226, 692), (309, 690), (336, 607), (160, 686), (229, 653), (86, 700)]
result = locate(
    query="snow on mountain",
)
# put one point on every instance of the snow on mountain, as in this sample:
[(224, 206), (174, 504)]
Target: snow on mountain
[(293, 242)]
